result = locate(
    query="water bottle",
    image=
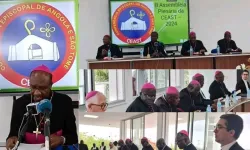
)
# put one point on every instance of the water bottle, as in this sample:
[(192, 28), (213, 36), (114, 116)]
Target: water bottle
[(234, 98), (227, 102), (191, 51), (109, 53), (248, 93), (218, 49), (209, 108), (219, 106), (141, 53)]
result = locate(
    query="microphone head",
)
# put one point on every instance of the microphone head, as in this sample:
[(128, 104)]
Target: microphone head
[(44, 105), (156, 44)]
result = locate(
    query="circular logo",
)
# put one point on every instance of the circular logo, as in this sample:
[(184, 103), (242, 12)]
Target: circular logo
[(32, 34), (133, 22)]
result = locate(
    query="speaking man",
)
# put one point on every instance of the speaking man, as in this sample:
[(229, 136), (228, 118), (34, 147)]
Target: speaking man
[(62, 125), (154, 48), (96, 102), (228, 130), (107, 45)]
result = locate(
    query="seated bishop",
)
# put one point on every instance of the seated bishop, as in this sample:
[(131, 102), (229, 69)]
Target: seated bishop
[(62, 119)]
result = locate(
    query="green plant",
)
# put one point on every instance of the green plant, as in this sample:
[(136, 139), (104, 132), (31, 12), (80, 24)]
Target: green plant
[(101, 75), (89, 140)]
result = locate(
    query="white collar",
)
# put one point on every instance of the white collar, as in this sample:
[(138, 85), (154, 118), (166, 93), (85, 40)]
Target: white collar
[(189, 144), (228, 146)]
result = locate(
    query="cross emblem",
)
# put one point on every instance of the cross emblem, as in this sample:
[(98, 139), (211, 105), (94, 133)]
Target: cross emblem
[(37, 132), (141, 15)]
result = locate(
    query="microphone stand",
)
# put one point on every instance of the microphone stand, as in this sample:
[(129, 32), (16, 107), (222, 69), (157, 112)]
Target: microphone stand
[(47, 131), (22, 132)]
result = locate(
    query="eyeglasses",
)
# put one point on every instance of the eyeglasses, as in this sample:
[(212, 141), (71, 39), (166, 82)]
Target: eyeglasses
[(149, 96), (218, 127), (103, 105)]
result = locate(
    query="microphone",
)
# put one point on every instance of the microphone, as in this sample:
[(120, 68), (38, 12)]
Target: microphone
[(31, 109), (45, 107)]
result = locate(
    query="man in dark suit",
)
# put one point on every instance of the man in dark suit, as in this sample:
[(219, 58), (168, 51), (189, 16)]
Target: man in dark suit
[(183, 141), (154, 48), (83, 146), (169, 101), (187, 96), (145, 144), (243, 84), (200, 99), (227, 44), (102, 147), (145, 102), (131, 145), (218, 88), (107, 45), (197, 45), (228, 130), (62, 128), (161, 145)]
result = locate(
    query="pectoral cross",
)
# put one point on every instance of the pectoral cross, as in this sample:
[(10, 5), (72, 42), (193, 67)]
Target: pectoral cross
[(37, 132)]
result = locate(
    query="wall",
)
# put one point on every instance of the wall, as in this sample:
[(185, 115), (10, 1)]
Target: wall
[(209, 19)]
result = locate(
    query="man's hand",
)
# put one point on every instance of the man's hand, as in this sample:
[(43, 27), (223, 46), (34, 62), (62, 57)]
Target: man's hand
[(202, 51), (55, 141), (115, 56), (11, 142), (196, 53), (155, 54), (104, 52)]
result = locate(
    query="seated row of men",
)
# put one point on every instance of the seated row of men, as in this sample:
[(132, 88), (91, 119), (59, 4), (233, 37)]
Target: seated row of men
[(156, 48), (189, 99)]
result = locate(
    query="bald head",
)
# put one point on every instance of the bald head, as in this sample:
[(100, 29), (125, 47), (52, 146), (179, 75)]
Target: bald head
[(160, 143), (95, 102), (200, 78), (194, 88)]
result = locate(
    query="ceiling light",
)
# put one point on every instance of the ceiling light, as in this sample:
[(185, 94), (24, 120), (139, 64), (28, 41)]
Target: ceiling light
[(180, 119), (90, 116)]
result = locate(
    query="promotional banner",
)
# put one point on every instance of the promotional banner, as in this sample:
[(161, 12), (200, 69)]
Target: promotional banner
[(34, 33), (133, 21)]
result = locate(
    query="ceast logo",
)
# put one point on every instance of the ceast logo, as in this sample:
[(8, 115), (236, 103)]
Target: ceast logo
[(32, 34), (133, 22)]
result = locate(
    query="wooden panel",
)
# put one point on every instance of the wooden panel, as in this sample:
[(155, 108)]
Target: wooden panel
[(110, 65), (153, 64), (246, 107), (230, 62), (194, 63)]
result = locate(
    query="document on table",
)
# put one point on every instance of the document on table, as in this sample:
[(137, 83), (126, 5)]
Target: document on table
[(31, 147)]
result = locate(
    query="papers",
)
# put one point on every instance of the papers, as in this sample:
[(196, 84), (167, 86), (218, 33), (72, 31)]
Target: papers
[(31, 147)]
